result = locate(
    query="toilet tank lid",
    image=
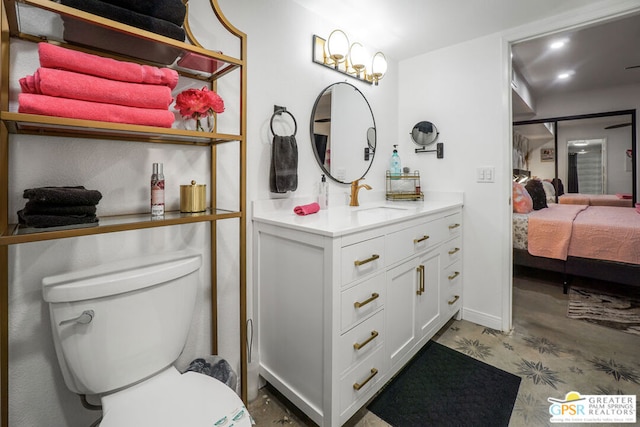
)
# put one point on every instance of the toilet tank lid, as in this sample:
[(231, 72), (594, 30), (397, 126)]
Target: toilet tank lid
[(118, 277)]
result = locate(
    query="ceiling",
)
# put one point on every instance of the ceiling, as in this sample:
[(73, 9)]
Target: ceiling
[(598, 56), (406, 28)]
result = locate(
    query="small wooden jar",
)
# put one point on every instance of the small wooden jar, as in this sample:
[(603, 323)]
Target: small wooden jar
[(193, 198)]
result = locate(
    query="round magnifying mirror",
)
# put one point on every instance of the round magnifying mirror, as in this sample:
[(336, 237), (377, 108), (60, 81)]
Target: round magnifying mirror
[(424, 133)]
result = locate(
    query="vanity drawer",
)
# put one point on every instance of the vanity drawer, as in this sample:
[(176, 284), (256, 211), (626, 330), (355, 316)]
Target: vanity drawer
[(360, 381), (452, 251), (358, 343), (362, 259), (452, 288), (361, 301), (405, 243), (453, 224)]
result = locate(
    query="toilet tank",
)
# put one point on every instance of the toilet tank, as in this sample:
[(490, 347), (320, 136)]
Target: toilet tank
[(137, 316)]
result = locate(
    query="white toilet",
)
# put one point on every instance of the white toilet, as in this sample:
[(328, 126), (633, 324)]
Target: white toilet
[(119, 327)]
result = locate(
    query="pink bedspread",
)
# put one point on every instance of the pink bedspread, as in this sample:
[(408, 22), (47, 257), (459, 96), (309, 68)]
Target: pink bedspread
[(594, 200), (608, 233), (574, 199), (550, 230)]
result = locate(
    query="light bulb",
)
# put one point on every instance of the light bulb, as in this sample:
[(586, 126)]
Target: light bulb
[(358, 56), (338, 46), (378, 67)]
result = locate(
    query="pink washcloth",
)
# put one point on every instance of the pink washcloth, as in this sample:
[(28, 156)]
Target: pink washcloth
[(75, 109), (311, 208), (67, 84), (52, 56)]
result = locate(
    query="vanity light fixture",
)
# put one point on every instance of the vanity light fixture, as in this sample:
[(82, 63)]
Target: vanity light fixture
[(350, 59)]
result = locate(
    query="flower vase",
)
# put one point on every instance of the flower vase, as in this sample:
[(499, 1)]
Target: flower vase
[(206, 123)]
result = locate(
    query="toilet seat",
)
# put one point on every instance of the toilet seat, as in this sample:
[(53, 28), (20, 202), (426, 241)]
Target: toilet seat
[(171, 399)]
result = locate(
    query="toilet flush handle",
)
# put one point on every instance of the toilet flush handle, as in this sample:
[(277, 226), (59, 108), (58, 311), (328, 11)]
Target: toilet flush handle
[(83, 319)]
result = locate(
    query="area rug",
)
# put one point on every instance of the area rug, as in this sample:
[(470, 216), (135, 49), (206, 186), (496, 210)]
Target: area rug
[(619, 311), (443, 387)]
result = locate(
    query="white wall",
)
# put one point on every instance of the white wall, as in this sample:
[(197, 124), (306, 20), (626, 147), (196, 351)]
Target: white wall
[(461, 89)]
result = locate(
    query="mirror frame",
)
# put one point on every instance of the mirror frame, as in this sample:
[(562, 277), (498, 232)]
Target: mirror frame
[(372, 149), (556, 120)]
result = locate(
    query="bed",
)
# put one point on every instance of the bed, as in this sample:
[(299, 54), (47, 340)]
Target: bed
[(601, 242), (620, 200)]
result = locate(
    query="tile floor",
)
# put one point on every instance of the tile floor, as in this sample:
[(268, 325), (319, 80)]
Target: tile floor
[(550, 352)]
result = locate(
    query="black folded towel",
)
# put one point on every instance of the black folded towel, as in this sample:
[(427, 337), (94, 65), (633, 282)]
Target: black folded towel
[(168, 10), (283, 175), (44, 221), (116, 13), (37, 208), (66, 196)]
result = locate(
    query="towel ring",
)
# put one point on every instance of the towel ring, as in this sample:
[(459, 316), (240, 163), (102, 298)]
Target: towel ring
[(278, 113)]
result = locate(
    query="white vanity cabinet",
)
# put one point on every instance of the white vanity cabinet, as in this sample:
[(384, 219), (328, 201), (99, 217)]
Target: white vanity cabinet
[(344, 303)]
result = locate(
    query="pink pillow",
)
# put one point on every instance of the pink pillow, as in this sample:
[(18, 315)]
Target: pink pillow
[(522, 202)]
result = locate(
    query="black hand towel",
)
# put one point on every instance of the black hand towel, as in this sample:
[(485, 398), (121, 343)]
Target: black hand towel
[(36, 208), (283, 176), (44, 221), (149, 23), (67, 196), (168, 10)]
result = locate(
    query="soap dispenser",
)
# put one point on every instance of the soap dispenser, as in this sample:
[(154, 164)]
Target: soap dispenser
[(323, 193), (396, 166)]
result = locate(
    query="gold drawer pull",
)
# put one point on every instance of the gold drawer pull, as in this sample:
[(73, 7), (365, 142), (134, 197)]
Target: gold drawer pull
[(454, 275), (452, 226), (372, 258), (420, 270), (359, 304), (454, 250), (357, 386), (453, 301), (358, 345), (422, 239)]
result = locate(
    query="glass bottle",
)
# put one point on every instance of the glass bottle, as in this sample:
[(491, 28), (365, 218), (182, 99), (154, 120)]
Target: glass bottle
[(157, 190)]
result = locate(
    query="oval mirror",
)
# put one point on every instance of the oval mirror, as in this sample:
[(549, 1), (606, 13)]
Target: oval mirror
[(424, 133), (343, 132)]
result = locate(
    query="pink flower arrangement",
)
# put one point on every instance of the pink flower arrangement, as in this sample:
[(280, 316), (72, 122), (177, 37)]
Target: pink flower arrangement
[(198, 103)]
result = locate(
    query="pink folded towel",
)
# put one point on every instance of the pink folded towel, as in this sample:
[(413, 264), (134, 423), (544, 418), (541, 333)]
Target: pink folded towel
[(75, 109), (67, 84), (52, 56), (311, 208)]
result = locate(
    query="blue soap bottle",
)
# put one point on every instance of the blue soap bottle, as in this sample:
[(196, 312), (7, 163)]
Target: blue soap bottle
[(396, 165)]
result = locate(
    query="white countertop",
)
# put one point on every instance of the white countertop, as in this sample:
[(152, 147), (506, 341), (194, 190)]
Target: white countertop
[(341, 220)]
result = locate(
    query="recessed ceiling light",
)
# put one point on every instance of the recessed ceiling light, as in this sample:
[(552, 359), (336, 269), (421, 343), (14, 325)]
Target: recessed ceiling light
[(557, 45), (565, 75)]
